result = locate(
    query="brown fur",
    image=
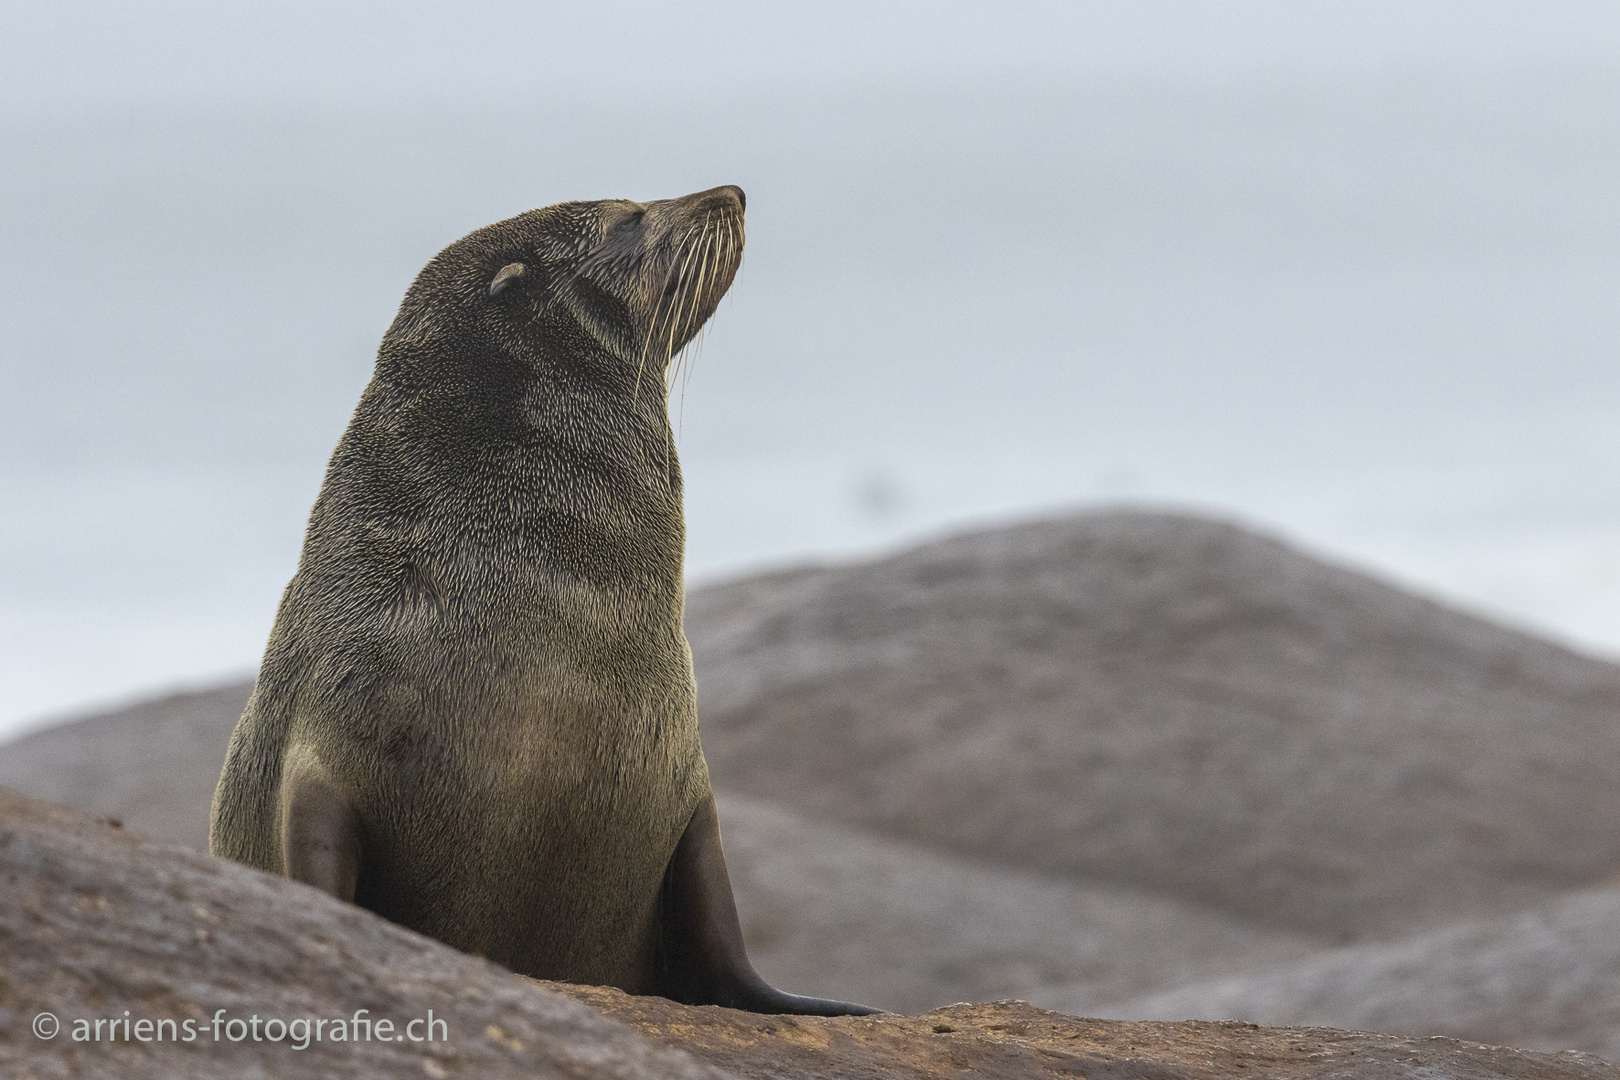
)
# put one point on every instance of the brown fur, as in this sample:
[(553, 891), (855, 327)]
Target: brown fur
[(478, 679)]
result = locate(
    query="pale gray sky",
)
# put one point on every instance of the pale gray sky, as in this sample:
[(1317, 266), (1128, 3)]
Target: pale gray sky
[(71, 55), (1345, 270)]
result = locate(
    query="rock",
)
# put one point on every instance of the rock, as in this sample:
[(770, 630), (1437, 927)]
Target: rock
[(1012, 1040), (1158, 701), (99, 924), (153, 763), (1174, 705), (1544, 978), (1090, 762), (837, 911), (102, 925)]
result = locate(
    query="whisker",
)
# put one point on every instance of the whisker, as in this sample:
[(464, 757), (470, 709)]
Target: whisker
[(678, 302), (658, 308), (683, 308), (689, 299), (722, 253), (707, 272), (676, 311)]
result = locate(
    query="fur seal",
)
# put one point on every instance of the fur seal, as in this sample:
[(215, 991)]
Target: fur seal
[(476, 714)]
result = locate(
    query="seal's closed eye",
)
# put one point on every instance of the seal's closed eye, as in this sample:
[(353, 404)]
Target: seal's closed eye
[(504, 275)]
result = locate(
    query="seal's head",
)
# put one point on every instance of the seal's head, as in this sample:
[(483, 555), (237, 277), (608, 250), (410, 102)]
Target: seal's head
[(614, 288)]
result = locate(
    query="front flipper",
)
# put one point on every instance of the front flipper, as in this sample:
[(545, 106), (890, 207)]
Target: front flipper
[(701, 957), (320, 832)]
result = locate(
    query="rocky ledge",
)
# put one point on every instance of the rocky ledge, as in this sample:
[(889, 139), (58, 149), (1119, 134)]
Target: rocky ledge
[(111, 934), (1013, 1039)]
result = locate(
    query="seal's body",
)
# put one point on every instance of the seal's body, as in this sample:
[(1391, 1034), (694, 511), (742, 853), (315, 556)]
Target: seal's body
[(476, 715)]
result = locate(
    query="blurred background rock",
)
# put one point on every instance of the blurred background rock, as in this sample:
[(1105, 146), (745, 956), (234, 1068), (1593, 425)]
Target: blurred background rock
[(1119, 764)]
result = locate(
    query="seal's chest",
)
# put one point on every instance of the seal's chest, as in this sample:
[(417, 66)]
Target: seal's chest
[(604, 769)]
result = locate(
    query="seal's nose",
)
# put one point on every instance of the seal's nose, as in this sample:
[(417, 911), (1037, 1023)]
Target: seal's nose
[(714, 198)]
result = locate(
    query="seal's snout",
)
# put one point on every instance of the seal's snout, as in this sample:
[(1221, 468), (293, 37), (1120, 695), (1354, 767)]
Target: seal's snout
[(717, 198)]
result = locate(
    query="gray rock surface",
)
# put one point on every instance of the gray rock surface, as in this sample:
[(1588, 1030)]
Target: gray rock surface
[(100, 924), (828, 909), (153, 763), (1175, 705), (1012, 1040), (103, 926), (1548, 977)]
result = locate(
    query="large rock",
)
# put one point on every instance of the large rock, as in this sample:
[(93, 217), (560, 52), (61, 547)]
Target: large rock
[(1548, 977), (99, 925), (153, 763), (1176, 705), (837, 911), (1011, 1040)]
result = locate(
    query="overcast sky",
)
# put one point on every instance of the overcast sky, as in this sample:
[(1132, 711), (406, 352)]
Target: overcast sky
[(1343, 270), (70, 55)]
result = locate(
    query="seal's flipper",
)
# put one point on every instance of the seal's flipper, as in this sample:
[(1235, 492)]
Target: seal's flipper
[(320, 832), (701, 957)]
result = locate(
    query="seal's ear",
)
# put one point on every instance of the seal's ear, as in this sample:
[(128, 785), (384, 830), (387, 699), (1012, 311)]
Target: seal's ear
[(504, 275)]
